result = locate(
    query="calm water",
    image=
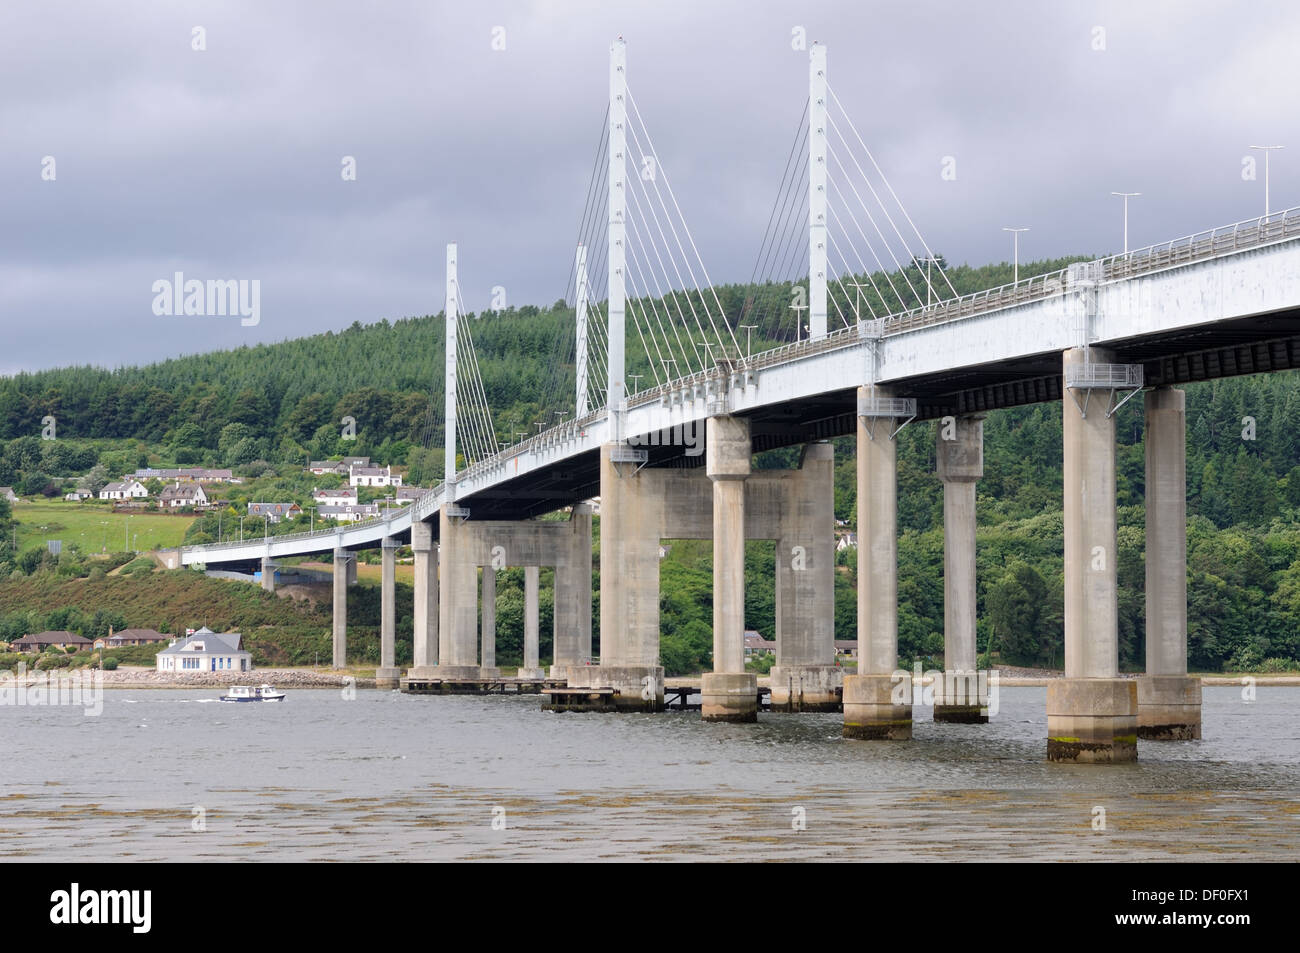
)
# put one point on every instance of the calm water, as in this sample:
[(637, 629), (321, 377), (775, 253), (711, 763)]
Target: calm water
[(388, 776)]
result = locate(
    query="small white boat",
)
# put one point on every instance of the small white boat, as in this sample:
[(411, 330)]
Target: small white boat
[(246, 693)]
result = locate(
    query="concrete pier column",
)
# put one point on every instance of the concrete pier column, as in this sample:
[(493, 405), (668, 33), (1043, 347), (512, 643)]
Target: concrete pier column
[(1091, 713), (488, 652), (959, 462), (1169, 702), (425, 636), (876, 705), (457, 602), (630, 518), (268, 574), (805, 676), (388, 675), (729, 693), (341, 560), (532, 626), (571, 618)]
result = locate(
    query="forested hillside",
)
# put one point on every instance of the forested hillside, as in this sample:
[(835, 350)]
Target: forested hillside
[(277, 405)]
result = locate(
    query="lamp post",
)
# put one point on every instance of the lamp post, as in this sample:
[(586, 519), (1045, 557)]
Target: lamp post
[(1126, 196), (1266, 150), (241, 527), (928, 263), (635, 386), (1015, 249), (749, 338), (798, 321)]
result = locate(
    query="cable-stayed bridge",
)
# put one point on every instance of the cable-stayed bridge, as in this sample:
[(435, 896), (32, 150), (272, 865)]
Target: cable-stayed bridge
[(877, 339)]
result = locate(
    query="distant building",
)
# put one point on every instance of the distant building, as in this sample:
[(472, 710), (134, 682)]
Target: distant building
[(274, 511), (372, 476), (409, 494), (349, 514), (847, 541), (343, 496), (847, 647), (182, 494), (341, 467), (116, 640), (756, 645), (186, 474), (7, 493), (76, 495), (125, 490), (206, 651), (43, 640)]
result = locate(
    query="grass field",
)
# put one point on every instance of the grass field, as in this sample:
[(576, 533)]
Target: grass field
[(94, 527)]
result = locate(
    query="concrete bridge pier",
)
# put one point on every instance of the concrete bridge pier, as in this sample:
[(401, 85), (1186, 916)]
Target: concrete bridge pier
[(268, 573), (1169, 701), (532, 627), (388, 675), (488, 649), (341, 560), (959, 459), (1092, 712), (632, 509), (458, 601), (805, 676), (425, 637), (877, 704), (571, 615), (728, 693)]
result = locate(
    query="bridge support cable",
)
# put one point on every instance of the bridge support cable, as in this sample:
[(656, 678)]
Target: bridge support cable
[(667, 291), (897, 201), (661, 172), (476, 402), (871, 218)]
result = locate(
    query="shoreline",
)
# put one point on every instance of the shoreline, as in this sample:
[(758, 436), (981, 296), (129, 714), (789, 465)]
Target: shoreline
[(141, 678)]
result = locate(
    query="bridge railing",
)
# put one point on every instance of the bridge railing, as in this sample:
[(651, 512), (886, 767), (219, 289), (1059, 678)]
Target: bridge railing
[(319, 534)]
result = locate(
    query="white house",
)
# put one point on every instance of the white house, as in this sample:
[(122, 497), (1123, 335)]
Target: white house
[(274, 511), (847, 541), (343, 496), (182, 494), (75, 496), (206, 651), (349, 514), (126, 490), (373, 476), (7, 493)]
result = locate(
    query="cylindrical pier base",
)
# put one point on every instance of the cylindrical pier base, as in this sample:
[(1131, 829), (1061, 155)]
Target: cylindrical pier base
[(636, 687), (798, 688), (870, 709), (1092, 720), (1169, 707), (388, 677), (729, 696)]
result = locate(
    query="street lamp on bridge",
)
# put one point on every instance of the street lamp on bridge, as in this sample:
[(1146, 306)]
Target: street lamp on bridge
[(1126, 196), (1015, 249), (1266, 150)]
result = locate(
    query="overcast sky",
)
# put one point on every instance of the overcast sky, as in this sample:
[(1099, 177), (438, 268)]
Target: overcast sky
[(226, 162)]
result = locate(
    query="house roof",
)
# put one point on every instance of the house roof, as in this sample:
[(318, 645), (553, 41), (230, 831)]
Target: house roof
[(178, 491), (54, 638), (272, 509), (341, 491), (151, 634), (349, 509), (410, 492), (212, 642), (120, 487), (755, 641), (369, 471)]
